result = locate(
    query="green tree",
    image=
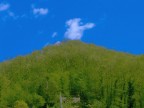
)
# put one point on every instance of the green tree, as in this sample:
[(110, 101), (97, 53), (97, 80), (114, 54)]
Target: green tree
[(20, 104)]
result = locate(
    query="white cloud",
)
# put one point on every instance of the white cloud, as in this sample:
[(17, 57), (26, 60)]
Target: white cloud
[(12, 15), (40, 11), (54, 34), (76, 29), (4, 6), (57, 43)]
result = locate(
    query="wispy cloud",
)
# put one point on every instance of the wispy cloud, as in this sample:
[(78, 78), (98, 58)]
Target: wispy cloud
[(40, 11), (12, 15), (54, 34), (4, 6), (76, 29), (58, 43)]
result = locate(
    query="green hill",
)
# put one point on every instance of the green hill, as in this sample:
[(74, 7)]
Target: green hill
[(100, 78)]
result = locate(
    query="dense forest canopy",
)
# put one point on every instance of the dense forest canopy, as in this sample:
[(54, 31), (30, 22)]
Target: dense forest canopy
[(82, 75)]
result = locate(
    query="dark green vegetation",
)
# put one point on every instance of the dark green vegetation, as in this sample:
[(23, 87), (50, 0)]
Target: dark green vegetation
[(100, 78)]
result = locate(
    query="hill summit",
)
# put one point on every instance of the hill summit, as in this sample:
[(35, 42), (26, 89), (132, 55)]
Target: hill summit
[(80, 75)]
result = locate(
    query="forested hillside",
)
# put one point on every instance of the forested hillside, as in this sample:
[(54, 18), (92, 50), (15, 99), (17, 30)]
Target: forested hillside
[(86, 76)]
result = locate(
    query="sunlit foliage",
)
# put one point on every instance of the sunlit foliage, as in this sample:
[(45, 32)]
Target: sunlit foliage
[(101, 78)]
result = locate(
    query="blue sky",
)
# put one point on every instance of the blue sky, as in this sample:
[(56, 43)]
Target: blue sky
[(29, 25)]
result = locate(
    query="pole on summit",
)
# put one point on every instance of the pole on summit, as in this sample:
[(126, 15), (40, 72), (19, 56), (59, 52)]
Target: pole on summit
[(61, 106)]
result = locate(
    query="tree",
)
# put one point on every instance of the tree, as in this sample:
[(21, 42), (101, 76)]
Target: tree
[(20, 104)]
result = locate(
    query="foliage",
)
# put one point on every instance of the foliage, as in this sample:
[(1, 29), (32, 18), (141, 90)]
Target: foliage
[(20, 104), (101, 78)]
